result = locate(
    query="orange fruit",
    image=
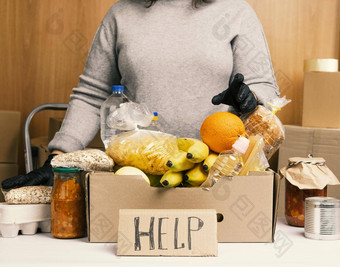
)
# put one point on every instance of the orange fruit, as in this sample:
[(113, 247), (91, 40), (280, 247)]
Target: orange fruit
[(220, 131)]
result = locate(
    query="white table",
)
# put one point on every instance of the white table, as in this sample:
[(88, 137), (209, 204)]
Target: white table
[(290, 248)]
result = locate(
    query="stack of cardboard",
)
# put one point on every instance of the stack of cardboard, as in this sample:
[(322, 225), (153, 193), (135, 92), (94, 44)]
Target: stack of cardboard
[(319, 134), (9, 141)]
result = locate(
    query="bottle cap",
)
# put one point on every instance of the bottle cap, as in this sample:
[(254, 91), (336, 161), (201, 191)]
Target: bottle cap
[(118, 88), (155, 116), (241, 144)]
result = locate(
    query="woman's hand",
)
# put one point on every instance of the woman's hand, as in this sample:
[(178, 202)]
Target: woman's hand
[(238, 95), (40, 176)]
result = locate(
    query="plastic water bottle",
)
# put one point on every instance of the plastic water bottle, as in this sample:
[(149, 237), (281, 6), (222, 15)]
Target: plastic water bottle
[(111, 119), (228, 163), (154, 126)]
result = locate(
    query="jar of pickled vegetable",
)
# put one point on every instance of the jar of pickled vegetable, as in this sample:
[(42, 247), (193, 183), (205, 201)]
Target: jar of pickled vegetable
[(67, 204), (295, 203)]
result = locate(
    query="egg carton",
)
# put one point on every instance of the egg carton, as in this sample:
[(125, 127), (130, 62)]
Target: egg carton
[(27, 218)]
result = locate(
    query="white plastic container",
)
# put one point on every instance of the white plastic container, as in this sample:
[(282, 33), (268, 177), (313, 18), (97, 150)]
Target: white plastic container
[(26, 217)]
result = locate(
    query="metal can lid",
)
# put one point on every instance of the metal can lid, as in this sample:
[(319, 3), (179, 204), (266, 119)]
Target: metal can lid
[(322, 202), (65, 170)]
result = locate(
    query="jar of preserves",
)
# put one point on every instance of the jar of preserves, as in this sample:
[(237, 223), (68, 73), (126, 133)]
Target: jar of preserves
[(295, 203), (305, 177), (67, 204)]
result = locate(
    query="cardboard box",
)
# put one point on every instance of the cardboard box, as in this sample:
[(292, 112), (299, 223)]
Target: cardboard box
[(320, 142), (7, 171), (41, 143), (55, 124), (9, 136), (246, 206), (321, 94)]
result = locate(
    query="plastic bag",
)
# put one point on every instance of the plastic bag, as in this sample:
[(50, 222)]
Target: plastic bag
[(129, 116), (265, 123), (146, 150), (254, 159), (28, 195), (86, 160)]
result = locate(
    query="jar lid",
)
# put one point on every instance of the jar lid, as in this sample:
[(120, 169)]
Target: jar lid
[(65, 170)]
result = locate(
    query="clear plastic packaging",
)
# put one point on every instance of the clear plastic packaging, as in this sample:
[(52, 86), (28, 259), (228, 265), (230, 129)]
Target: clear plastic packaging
[(146, 150), (254, 159), (265, 123), (28, 195), (228, 163), (87, 160), (111, 116), (25, 218)]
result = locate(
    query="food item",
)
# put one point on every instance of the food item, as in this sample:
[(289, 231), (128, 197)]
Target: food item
[(179, 162), (87, 160), (209, 161), (155, 180), (171, 179), (264, 123), (305, 177), (295, 203), (148, 151), (195, 176), (68, 204), (197, 151), (127, 170), (254, 158), (29, 195), (220, 131), (228, 163)]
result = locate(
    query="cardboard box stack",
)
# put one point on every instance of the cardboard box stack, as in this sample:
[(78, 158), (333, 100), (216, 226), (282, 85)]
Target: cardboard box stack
[(9, 136)]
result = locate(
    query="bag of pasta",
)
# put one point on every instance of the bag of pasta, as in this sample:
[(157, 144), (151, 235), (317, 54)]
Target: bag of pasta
[(265, 123), (146, 150)]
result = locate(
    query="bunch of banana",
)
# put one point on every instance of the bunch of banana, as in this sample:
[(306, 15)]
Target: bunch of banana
[(189, 166), (197, 151)]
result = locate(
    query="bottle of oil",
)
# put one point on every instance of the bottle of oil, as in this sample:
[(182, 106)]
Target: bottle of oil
[(228, 163)]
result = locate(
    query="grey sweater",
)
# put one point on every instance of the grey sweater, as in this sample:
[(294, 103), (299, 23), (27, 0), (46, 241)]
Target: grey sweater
[(172, 57)]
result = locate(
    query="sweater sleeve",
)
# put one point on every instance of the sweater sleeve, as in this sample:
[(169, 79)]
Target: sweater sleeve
[(82, 120), (251, 58)]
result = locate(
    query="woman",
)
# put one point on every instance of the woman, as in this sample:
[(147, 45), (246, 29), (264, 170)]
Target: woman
[(175, 56)]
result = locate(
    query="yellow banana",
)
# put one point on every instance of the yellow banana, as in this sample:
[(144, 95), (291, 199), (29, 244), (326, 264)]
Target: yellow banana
[(171, 179), (178, 162), (209, 161), (185, 143), (197, 151), (195, 176)]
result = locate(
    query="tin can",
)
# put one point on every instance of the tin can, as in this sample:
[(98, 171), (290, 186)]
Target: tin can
[(322, 218)]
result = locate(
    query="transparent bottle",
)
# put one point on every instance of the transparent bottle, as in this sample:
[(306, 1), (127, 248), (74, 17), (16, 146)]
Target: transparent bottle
[(154, 126), (111, 119), (228, 163)]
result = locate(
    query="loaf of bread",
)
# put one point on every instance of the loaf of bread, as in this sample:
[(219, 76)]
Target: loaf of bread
[(264, 123)]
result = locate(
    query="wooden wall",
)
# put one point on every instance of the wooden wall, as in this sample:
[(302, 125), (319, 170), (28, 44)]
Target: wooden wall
[(44, 43)]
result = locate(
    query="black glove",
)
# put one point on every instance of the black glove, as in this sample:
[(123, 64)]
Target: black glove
[(41, 176), (237, 95)]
